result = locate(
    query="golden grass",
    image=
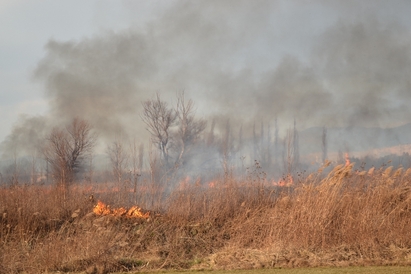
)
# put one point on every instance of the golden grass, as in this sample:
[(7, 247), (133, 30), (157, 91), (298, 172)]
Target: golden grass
[(342, 218)]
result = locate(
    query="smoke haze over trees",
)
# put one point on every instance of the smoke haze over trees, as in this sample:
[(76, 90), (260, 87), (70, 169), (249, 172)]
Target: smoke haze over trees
[(241, 62)]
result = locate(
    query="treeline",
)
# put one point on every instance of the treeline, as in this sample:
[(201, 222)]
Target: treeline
[(180, 145)]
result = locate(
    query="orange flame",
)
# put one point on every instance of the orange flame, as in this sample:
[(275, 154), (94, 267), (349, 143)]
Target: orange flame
[(101, 209), (134, 212), (285, 181), (347, 159)]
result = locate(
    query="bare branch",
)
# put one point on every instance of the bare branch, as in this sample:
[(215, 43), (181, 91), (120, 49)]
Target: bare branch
[(65, 147), (159, 118), (189, 128)]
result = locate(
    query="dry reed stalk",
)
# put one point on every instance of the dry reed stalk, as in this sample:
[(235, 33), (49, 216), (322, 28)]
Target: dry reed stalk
[(344, 217)]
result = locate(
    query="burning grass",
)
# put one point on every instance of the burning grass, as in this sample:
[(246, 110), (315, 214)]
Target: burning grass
[(102, 209), (345, 217)]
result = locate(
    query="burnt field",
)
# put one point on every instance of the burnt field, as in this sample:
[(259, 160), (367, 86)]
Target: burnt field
[(339, 218)]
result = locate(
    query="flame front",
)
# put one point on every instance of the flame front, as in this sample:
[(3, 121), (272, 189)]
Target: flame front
[(347, 159), (134, 212), (101, 209)]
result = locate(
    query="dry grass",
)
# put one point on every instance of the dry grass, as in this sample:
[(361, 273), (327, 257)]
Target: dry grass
[(342, 218)]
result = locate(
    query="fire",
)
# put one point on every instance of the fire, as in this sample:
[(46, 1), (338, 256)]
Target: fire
[(285, 181), (347, 159), (134, 212), (101, 209), (184, 184)]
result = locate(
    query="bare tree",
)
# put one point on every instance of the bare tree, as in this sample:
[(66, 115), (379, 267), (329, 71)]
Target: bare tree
[(256, 148), (268, 148), (137, 156), (65, 147), (289, 152), (291, 155), (210, 135), (159, 118), (156, 182), (118, 159), (296, 145), (240, 139), (172, 130), (276, 142), (15, 177), (265, 146), (90, 170), (33, 172), (189, 128), (262, 142), (226, 149), (324, 145)]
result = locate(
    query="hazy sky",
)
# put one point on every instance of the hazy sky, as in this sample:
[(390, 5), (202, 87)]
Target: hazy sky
[(27, 26), (324, 62)]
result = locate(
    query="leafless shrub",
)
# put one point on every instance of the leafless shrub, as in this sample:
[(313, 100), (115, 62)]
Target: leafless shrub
[(65, 147), (118, 159), (189, 128), (159, 118)]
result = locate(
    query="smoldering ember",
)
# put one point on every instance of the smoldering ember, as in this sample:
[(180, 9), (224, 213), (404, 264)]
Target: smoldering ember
[(207, 135)]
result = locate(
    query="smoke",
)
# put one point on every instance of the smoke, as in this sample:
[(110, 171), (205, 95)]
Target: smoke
[(26, 137), (366, 66), (242, 61), (101, 79)]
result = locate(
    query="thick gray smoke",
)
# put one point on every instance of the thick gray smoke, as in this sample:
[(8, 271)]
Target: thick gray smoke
[(366, 67), (243, 61), (26, 137), (102, 80)]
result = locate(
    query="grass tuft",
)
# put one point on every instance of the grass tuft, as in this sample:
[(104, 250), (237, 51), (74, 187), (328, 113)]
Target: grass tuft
[(341, 218)]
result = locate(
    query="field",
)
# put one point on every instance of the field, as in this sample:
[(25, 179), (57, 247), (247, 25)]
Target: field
[(334, 270), (339, 218)]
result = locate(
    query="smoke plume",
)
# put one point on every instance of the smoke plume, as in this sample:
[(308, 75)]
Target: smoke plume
[(242, 61)]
